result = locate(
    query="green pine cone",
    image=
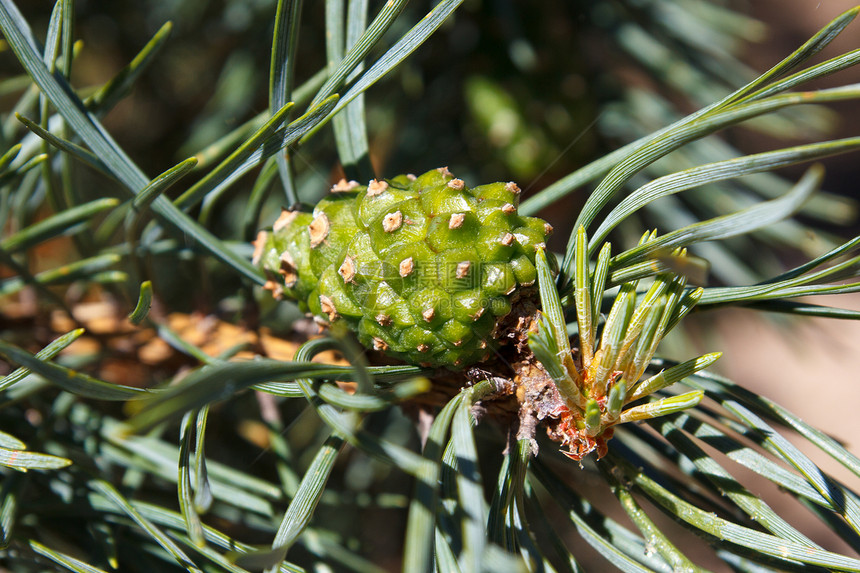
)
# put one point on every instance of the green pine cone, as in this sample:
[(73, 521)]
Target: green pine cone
[(421, 268)]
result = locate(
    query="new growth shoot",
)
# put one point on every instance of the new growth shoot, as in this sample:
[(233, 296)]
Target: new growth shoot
[(599, 381)]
